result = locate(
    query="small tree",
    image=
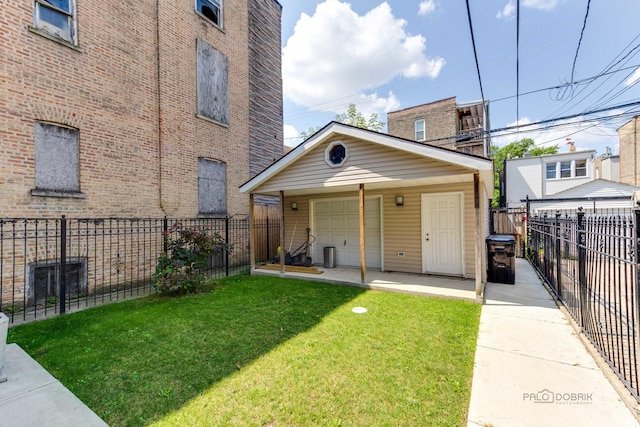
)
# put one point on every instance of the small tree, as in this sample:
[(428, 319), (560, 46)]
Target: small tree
[(355, 118), (181, 269), (514, 150), (351, 117)]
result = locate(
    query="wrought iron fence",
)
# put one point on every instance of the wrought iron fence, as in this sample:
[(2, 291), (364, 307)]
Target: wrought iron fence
[(590, 262), (57, 265)]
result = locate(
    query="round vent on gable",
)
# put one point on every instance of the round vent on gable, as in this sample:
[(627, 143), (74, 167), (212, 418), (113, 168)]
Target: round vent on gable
[(336, 154)]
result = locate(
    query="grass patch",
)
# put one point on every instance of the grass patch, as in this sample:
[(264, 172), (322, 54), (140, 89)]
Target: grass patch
[(263, 350)]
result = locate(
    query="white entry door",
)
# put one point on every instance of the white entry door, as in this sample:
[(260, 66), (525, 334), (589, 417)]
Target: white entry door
[(442, 231), (336, 222)]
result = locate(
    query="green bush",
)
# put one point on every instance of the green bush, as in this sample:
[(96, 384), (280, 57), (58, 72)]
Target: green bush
[(182, 268)]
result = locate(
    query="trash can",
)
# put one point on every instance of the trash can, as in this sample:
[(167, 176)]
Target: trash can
[(329, 257), (501, 260)]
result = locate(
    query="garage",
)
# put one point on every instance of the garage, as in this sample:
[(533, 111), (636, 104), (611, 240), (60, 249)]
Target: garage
[(336, 222)]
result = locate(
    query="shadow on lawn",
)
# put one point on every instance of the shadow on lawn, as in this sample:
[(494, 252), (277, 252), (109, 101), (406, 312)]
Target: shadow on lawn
[(136, 361)]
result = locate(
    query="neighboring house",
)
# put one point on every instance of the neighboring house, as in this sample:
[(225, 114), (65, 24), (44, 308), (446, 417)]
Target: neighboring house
[(137, 108), (607, 166), (461, 127), (592, 196), (425, 208), (538, 177), (629, 136)]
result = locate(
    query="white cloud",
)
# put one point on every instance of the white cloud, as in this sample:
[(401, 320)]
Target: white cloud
[(291, 136), (427, 7), (507, 12), (541, 4), (337, 54), (635, 77)]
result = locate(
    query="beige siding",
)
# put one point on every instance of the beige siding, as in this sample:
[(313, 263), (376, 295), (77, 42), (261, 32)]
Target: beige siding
[(367, 163), (401, 225)]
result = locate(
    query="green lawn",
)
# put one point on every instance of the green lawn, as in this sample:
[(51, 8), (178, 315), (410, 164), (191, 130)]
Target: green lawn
[(265, 351)]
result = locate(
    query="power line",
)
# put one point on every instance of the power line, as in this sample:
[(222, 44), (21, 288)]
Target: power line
[(565, 85), (475, 53), (584, 25), (572, 116)]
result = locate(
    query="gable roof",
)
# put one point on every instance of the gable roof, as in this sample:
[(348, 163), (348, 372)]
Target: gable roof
[(333, 129), (597, 188)]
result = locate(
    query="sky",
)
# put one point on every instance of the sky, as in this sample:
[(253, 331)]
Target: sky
[(388, 55)]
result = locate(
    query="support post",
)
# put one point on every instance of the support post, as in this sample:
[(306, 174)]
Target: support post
[(478, 237), (282, 248), (363, 254)]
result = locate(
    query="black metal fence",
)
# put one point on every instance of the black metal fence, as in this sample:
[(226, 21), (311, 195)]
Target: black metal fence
[(590, 262), (57, 265)]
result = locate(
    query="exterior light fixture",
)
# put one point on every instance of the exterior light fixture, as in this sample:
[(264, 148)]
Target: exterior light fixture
[(294, 206), (399, 200)]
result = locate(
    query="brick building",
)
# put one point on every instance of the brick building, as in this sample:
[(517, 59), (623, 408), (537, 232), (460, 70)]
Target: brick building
[(143, 108), (444, 123), (629, 136)]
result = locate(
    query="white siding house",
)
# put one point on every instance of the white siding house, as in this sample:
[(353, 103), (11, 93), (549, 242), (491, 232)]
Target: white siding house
[(542, 176), (383, 202), (593, 196)]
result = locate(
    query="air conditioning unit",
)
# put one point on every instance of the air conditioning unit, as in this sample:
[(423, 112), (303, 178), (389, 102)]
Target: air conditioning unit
[(4, 327)]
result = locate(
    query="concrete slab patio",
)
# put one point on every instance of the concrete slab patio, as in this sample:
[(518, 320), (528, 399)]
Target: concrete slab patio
[(416, 284), (531, 369), (32, 397)]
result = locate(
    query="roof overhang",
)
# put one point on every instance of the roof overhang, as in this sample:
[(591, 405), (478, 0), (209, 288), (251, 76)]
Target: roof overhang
[(473, 164)]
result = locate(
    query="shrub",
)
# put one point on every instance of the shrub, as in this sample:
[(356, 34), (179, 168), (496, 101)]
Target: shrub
[(189, 249)]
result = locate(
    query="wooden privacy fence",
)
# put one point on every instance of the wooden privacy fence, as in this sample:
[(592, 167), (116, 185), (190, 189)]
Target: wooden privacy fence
[(267, 232), (512, 222)]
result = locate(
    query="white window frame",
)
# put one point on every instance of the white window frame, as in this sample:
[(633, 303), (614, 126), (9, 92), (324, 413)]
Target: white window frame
[(41, 24), (423, 124), (564, 170), (548, 169), (580, 168), (213, 4)]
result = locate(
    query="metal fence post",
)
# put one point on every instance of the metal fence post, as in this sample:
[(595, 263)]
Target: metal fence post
[(636, 264), (63, 265), (558, 258), (582, 268), (165, 234), (546, 246), (268, 240), (226, 242)]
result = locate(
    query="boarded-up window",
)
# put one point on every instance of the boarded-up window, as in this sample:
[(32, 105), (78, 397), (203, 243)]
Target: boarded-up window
[(213, 83), (212, 187), (57, 158)]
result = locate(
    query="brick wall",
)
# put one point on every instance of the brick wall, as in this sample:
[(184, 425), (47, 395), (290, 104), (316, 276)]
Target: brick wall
[(265, 84), (440, 122), (139, 136), (629, 135)]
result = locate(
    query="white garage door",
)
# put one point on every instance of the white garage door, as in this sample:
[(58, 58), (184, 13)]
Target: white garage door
[(337, 223)]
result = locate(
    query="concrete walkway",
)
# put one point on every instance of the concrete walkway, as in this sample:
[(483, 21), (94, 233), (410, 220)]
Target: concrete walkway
[(531, 369), (32, 397)]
